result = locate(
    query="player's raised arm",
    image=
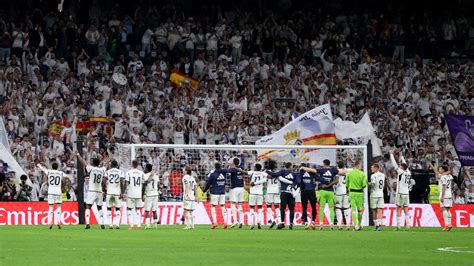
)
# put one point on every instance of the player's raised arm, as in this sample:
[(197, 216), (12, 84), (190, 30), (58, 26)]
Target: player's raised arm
[(402, 159), (393, 161), (42, 168), (81, 159)]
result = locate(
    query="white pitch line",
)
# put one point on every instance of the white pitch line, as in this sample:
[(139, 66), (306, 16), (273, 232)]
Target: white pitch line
[(455, 249)]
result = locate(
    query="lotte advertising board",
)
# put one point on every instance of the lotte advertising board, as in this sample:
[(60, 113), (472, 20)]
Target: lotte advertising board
[(35, 213)]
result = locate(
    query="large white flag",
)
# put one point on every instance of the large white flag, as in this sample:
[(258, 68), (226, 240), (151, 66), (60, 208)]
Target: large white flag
[(358, 133), (4, 135), (315, 127)]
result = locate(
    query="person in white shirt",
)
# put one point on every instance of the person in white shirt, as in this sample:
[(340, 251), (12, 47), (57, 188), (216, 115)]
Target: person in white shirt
[(189, 196), (114, 179), (151, 195), (236, 42), (446, 195), (257, 179), (133, 185), (96, 175), (376, 184), (147, 40), (54, 182), (402, 199)]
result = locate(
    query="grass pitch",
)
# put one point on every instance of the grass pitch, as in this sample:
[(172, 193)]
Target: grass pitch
[(170, 245)]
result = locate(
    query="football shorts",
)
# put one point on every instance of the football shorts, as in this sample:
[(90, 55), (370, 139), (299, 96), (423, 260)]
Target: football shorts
[(255, 200), (94, 197), (341, 201), (376, 203), (54, 199)]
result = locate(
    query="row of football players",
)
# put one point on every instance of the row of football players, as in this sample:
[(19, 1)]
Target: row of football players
[(282, 187)]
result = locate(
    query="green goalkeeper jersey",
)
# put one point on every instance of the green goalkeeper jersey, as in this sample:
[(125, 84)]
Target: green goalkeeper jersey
[(356, 180)]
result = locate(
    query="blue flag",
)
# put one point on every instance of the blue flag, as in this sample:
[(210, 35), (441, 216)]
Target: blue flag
[(461, 129)]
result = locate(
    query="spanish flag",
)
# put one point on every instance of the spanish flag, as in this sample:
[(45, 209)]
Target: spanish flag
[(57, 126), (177, 79)]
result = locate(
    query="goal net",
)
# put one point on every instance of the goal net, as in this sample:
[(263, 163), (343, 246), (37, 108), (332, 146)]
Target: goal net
[(168, 161)]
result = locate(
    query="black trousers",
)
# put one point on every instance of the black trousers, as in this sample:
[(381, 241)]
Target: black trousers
[(287, 200), (308, 195)]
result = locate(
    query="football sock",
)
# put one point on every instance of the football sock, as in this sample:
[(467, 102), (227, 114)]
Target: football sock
[(188, 219), (224, 213), (139, 218), (234, 212), (321, 213), (355, 219), (331, 214), (130, 217), (117, 216), (359, 217), (278, 214), (100, 219), (445, 217), (50, 214), (88, 216), (339, 216), (449, 218), (147, 219), (251, 218), (109, 216), (407, 220), (270, 213), (214, 215), (241, 213), (259, 216), (58, 211), (347, 215)]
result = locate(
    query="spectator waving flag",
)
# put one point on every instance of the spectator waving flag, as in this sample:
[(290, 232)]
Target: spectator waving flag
[(461, 129), (177, 79), (358, 133), (314, 127)]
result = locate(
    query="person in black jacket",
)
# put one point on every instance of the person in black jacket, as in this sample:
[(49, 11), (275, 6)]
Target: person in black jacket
[(308, 193), (287, 180)]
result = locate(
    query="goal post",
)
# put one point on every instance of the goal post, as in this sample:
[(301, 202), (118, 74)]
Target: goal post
[(169, 159)]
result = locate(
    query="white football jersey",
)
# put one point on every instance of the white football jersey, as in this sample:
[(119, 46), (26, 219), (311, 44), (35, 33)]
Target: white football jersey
[(258, 178), (404, 177), (95, 178), (341, 185), (447, 181), (189, 180), (151, 189), (135, 179), (379, 181), (55, 179), (115, 177), (403, 182), (273, 186)]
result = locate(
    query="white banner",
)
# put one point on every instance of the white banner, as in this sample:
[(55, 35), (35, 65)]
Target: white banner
[(4, 135), (315, 127), (358, 133), (13, 165)]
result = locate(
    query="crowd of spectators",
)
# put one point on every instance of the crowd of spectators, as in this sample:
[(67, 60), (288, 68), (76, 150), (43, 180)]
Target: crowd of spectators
[(256, 68)]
